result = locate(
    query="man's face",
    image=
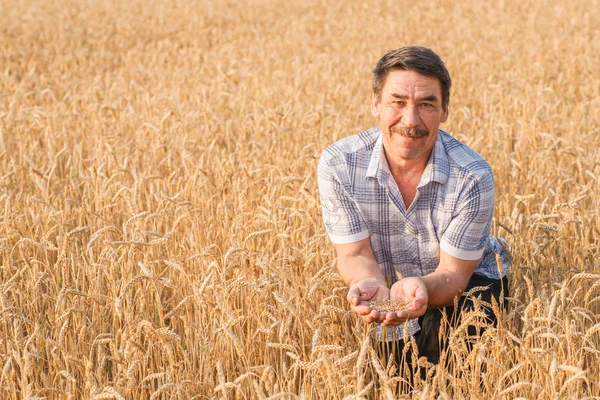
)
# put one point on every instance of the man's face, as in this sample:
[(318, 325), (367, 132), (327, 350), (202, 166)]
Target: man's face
[(410, 112)]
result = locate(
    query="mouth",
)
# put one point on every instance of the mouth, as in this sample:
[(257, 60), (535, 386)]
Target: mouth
[(412, 133)]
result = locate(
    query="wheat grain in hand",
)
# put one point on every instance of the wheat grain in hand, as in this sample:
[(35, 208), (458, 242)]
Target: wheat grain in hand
[(389, 305)]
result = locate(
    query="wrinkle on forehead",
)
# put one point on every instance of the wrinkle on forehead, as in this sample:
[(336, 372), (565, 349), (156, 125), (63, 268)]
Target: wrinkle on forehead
[(412, 85)]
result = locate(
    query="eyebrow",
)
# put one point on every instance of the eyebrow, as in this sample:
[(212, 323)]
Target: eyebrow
[(431, 97)]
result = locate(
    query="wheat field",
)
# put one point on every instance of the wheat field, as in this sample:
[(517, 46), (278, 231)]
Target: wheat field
[(160, 226)]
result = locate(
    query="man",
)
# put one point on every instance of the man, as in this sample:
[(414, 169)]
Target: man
[(409, 208)]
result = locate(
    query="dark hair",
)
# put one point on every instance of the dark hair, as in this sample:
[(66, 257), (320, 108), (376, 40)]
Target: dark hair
[(413, 58)]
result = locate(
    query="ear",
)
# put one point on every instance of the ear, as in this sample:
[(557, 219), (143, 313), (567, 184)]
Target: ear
[(375, 103), (445, 113)]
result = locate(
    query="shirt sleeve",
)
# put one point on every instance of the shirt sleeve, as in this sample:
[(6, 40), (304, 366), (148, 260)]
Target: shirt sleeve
[(343, 220), (469, 230)]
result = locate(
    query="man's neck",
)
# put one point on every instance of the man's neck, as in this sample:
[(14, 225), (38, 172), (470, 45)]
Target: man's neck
[(407, 170), (407, 175)]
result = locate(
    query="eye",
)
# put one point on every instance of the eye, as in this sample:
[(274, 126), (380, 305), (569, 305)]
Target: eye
[(426, 105)]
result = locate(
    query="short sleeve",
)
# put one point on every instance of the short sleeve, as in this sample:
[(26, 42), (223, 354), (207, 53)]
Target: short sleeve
[(469, 229), (343, 220)]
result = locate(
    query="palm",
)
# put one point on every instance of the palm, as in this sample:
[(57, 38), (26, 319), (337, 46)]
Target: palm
[(412, 290), (364, 291), (373, 291)]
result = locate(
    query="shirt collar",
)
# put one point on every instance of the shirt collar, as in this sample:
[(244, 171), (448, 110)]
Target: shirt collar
[(438, 166), (374, 170), (437, 169)]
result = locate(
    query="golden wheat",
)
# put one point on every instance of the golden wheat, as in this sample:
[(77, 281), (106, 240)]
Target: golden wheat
[(160, 227)]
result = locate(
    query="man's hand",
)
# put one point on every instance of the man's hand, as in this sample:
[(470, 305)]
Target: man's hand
[(412, 290), (364, 291)]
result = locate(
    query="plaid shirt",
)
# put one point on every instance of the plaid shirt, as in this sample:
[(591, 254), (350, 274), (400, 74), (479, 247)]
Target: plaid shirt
[(452, 209)]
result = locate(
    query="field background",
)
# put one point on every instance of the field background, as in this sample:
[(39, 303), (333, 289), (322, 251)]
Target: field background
[(160, 231)]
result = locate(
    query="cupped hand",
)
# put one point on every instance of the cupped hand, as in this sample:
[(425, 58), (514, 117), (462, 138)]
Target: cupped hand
[(362, 292), (412, 290)]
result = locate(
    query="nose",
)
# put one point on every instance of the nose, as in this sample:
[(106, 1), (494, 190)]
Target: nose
[(410, 117)]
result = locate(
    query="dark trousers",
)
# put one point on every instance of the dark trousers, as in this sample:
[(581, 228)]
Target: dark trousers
[(429, 344)]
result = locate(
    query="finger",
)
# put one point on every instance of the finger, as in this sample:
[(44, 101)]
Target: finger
[(407, 314), (393, 320), (376, 315), (390, 316), (367, 319), (373, 316), (417, 304), (420, 298), (353, 296), (362, 309), (382, 316)]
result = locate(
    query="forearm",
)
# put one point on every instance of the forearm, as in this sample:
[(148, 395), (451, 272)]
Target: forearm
[(355, 262), (354, 268), (443, 287)]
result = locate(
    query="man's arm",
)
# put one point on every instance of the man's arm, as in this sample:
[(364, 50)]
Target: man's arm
[(348, 231), (355, 262), (360, 271), (449, 280), (461, 248)]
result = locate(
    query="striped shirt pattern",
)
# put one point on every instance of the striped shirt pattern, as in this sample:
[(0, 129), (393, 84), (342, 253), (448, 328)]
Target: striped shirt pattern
[(452, 210)]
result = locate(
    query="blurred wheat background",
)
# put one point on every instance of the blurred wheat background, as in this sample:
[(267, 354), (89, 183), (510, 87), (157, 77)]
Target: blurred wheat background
[(160, 231)]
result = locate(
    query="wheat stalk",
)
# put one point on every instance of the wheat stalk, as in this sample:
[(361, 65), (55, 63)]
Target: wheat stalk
[(163, 156)]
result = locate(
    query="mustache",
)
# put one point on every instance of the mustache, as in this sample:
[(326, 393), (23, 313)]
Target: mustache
[(410, 132)]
